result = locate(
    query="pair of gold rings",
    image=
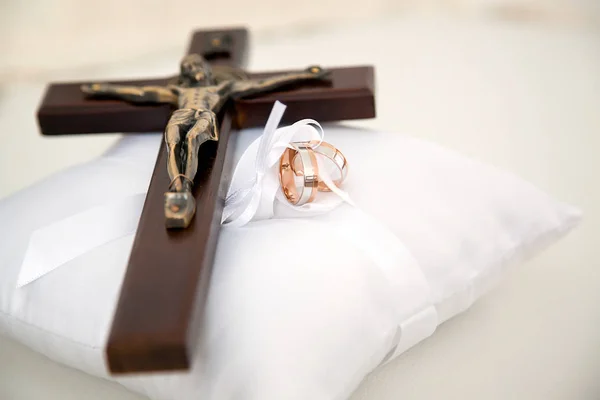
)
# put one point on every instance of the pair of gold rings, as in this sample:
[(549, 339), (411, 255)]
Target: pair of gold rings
[(299, 163)]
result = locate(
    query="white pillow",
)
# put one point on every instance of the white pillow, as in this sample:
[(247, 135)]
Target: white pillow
[(277, 326)]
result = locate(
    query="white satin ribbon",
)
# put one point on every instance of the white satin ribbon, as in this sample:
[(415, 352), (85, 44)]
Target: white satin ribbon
[(56, 244), (255, 185)]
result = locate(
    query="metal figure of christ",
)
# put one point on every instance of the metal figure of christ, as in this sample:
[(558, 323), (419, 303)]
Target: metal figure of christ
[(198, 97)]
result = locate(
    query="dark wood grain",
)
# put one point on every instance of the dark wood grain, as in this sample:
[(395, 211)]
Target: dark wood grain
[(165, 285), (232, 50), (349, 95), (65, 110)]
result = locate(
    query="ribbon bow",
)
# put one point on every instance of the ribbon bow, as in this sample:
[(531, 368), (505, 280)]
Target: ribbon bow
[(256, 198)]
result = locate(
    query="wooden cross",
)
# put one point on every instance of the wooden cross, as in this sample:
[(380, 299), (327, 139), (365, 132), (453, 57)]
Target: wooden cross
[(165, 286)]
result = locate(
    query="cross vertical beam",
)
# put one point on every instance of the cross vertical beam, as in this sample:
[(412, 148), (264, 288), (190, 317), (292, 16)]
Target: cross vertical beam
[(169, 270)]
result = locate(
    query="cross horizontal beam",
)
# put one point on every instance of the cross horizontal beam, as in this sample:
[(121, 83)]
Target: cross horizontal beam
[(65, 110)]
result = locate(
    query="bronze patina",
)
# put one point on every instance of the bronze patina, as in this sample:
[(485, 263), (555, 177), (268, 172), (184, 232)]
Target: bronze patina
[(198, 95)]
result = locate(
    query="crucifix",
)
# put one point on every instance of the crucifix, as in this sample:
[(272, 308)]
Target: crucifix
[(197, 96), (165, 285)]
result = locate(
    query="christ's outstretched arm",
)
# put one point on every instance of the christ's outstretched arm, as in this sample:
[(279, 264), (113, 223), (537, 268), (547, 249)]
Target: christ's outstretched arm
[(251, 87), (134, 94)]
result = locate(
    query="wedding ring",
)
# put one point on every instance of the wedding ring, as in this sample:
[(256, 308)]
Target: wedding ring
[(332, 153), (299, 161)]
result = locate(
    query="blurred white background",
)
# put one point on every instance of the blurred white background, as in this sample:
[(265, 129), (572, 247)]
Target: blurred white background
[(50, 40), (512, 82), (44, 35)]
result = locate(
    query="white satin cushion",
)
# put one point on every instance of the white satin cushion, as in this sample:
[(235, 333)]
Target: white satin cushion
[(284, 322)]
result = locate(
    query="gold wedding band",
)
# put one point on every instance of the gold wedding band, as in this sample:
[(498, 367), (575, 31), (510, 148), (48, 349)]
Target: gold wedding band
[(336, 156), (299, 161)]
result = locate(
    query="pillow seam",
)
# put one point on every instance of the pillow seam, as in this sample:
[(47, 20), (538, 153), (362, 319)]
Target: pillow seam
[(46, 331)]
